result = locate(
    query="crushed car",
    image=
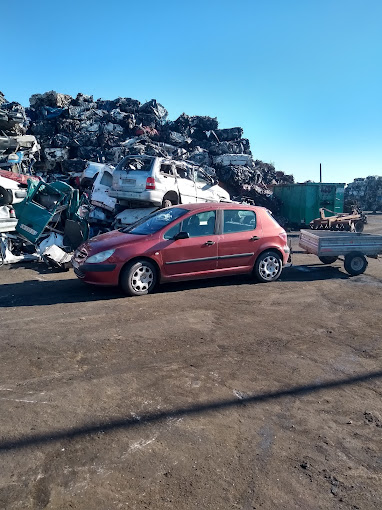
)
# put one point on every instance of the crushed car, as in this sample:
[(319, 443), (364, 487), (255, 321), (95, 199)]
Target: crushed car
[(18, 153), (8, 220), (100, 194), (54, 207), (149, 180), (11, 192)]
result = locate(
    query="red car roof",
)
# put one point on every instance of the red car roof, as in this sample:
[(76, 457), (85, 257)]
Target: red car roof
[(220, 205)]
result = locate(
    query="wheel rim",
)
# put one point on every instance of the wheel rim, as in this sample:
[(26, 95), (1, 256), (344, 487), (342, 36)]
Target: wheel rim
[(142, 279), (357, 263), (269, 267)]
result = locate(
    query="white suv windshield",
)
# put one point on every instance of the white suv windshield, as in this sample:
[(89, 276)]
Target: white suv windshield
[(155, 221)]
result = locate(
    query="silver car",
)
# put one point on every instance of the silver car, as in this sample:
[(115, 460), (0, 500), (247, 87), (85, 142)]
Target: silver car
[(162, 182)]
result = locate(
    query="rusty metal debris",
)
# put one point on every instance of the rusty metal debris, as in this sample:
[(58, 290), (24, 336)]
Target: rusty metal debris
[(366, 194), (353, 222), (72, 131), (78, 141)]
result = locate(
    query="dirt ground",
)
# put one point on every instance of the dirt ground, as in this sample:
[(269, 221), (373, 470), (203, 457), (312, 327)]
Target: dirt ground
[(220, 394)]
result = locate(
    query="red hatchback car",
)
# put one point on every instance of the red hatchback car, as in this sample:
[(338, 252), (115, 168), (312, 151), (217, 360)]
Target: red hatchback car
[(186, 242)]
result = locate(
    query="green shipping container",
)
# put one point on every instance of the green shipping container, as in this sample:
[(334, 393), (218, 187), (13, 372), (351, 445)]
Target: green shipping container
[(301, 202)]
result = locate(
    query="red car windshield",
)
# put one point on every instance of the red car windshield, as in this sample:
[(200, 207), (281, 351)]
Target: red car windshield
[(155, 222)]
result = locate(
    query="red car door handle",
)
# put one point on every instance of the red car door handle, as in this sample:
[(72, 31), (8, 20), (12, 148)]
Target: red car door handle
[(209, 243), (254, 238)]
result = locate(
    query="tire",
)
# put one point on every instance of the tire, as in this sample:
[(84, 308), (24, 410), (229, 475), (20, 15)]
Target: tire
[(359, 226), (170, 199), (6, 197), (328, 260), (138, 278), (268, 267), (166, 203), (355, 263)]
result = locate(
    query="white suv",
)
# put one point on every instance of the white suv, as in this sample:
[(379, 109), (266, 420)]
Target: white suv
[(162, 182)]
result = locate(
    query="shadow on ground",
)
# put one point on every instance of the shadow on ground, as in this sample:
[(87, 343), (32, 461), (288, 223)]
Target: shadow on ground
[(45, 292), (192, 410)]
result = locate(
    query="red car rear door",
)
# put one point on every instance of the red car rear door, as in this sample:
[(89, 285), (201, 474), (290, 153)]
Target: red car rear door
[(196, 254), (241, 233)]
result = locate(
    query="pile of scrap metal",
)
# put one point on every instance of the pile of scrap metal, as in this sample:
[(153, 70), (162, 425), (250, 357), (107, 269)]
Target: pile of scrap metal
[(353, 222), (72, 131), (366, 194), (18, 150), (41, 222)]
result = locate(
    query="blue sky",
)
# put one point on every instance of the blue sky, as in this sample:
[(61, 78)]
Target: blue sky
[(302, 77)]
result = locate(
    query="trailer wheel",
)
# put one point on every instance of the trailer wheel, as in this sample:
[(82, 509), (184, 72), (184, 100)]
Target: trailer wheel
[(355, 263), (328, 260), (359, 226)]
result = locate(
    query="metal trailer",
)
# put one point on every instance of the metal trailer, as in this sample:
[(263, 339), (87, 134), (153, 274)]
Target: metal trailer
[(355, 247)]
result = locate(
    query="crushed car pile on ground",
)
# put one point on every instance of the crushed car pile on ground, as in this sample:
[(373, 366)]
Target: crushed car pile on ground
[(72, 131), (78, 141), (366, 193), (107, 163)]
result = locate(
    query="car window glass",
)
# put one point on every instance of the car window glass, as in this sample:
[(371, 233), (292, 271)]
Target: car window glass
[(201, 224), (131, 163), (184, 173), (107, 179), (238, 220), (156, 221), (171, 232), (46, 197), (200, 178), (166, 169)]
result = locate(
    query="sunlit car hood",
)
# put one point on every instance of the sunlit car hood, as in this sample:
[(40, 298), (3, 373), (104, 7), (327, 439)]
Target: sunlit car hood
[(113, 239)]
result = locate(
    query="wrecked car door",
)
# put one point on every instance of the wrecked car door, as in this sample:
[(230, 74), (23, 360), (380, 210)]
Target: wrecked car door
[(186, 183), (38, 209), (100, 192), (195, 254), (167, 180), (204, 188), (56, 203)]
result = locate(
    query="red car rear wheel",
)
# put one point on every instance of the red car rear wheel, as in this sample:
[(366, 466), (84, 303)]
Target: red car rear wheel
[(268, 266)]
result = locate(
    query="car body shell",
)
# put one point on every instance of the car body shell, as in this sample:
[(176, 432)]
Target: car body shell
[(207, 256), (176, 181), (8, 220), (101, 188), (16, 191)]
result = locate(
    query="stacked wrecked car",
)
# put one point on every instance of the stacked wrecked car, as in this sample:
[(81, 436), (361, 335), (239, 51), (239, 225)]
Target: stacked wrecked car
[(96, 165)]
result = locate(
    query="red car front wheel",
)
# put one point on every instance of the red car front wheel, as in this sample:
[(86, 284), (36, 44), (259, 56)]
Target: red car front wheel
[(138, 278)]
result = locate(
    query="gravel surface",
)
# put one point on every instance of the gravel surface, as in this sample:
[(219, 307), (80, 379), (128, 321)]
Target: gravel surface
[(220, 394)]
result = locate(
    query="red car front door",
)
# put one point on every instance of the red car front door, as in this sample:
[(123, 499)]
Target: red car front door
[(196, 254)]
